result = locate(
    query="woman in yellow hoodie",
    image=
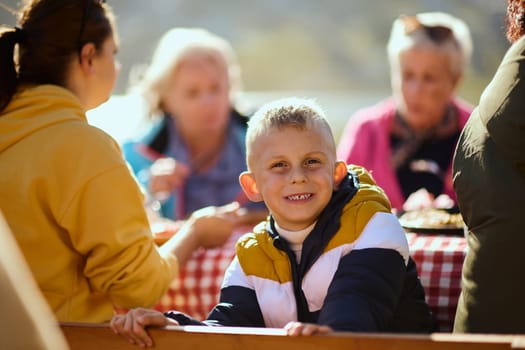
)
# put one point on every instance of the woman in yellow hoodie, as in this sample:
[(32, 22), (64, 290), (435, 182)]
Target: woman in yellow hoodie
[(65, 190)]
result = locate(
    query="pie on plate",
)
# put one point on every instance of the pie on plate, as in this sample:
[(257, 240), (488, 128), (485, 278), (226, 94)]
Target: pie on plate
[(432, 220)]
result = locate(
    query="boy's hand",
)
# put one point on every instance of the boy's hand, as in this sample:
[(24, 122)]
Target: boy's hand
[(299, 328), (132, 326)]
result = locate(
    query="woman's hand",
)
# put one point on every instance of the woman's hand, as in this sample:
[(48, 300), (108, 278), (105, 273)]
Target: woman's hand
[(422, 199), (208, 227), (132, 326), (443, 201), (299, 328), (214, 225), (166, 174)]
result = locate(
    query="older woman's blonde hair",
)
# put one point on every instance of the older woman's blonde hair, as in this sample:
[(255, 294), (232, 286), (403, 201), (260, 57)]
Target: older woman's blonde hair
[(176, 45), (458, 48)]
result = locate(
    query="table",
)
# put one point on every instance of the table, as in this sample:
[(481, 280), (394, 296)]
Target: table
[(439, 260), (196, 290)]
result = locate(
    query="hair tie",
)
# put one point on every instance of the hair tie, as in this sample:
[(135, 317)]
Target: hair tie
[(19, 34)]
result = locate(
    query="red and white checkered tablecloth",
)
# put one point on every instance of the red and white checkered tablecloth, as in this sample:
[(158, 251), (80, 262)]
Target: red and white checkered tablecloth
[(439, 261), (196, 290)]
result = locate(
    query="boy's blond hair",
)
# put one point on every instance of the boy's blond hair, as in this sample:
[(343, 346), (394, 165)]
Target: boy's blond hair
[(294, 112)]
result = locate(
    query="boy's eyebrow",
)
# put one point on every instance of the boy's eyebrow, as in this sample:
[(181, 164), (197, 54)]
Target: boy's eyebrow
[(305, 155)]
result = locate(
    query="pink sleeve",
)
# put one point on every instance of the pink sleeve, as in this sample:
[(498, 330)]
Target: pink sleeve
[(348, 148), (365, 141)]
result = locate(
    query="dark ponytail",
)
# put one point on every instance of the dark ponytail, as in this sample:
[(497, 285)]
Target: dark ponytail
[(49, 35), (9, 37)]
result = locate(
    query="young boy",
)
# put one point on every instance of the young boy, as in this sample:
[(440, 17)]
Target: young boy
[(330, 256)]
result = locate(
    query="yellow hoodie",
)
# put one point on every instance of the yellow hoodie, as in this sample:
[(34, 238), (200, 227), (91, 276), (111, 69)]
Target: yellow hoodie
[(75, 209)]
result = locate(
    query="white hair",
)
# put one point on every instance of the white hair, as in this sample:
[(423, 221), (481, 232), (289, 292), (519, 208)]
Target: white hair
[(459, 50), (176, 45)]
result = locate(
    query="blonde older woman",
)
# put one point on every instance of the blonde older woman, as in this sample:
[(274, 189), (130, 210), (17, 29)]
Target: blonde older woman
[(193, 154), (408, 140)]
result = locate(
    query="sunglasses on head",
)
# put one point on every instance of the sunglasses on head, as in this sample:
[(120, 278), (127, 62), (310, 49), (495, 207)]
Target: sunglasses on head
[(437, 34), (85, 15)]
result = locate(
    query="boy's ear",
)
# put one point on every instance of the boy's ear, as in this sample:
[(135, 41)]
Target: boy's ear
[(249, 186), (340, 172)]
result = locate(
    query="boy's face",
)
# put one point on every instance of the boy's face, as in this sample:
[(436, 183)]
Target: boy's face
[(295, 172)]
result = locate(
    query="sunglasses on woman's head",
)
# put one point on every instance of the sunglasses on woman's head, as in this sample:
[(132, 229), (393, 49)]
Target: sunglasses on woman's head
[(437, 34)]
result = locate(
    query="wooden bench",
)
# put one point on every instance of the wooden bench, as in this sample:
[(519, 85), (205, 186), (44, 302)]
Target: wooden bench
[(99, 336)]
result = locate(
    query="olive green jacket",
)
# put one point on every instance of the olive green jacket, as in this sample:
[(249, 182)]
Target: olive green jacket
[(489, 179)]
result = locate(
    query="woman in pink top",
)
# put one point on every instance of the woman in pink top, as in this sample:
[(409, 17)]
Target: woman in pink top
[(408, 140)]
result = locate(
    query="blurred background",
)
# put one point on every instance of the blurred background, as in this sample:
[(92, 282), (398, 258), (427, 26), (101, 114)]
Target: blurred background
[(331, 50)]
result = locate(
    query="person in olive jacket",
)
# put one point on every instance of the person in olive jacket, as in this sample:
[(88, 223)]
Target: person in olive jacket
[(489, 178)]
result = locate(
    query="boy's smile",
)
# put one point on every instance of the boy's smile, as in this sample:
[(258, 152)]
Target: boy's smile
[(300, 197), (294, 173)]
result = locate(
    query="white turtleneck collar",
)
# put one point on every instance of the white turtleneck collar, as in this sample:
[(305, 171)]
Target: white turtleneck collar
[(295, 239)]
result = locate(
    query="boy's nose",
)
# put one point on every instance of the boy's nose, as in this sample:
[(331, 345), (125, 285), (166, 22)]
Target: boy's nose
[(298, 176)]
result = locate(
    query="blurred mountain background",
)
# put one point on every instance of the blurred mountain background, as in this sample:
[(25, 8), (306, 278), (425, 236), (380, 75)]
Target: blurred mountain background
[(332, 50)]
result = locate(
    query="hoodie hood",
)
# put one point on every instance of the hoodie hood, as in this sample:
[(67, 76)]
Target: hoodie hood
[(34, 108), (368, 189)]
